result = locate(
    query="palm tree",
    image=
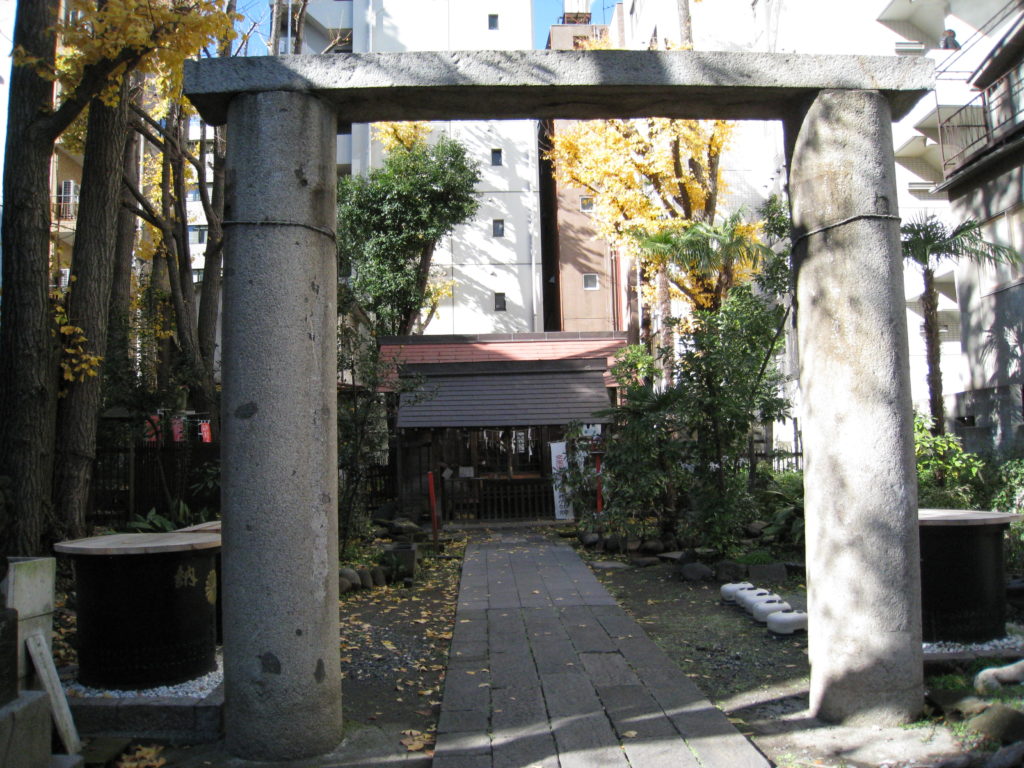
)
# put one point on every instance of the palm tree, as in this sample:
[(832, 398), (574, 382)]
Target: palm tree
[(928, 242), (703, 262), (707, 260)]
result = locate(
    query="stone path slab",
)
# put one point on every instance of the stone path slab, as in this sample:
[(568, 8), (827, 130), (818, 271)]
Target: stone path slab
[(547, 671)]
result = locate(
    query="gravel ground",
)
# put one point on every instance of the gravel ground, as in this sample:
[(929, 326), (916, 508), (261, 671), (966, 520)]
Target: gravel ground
[(394, 645), (761, 680)]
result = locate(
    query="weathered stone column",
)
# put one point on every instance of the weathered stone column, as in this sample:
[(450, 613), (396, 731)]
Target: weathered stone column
[(279, 485), (863, 569)]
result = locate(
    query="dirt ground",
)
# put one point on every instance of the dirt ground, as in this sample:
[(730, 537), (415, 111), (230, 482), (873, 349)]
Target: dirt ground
[(395, 644), (761, 680)]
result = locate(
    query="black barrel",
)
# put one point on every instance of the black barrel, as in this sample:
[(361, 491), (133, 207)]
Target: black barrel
[(8, 655), (962, 583), (146, 619)]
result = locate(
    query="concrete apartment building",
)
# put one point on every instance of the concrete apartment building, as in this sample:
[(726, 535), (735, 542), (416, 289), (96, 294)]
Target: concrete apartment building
[(494, 261), (980, 141), (588, 284), (983, 402)]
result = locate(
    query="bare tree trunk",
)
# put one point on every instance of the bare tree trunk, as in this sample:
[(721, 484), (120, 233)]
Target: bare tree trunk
[(209, 306), (666, 336), (422, 277), (183, 294), (28, 352), (299, 26), (87, 306), (685, 26), (118, 372), (933, 352), (277, 12)]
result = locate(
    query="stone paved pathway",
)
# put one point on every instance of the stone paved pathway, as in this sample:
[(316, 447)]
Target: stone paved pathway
[(546, 671)]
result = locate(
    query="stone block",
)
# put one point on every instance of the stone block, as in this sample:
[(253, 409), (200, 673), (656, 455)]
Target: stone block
[(351, 577), (157, 715), (535, 748), (405, 558), (659, 753), (461, 761), (467, 686), (633, 710), (696, 572), (587, 741), (606, 669), (767, 573), (95, 715), (365, 578), (513, 668), (209, 720), (378, 576), (28, 589), (517, 708), (1000, 722), (554, 656), (730, 570), (461, 743), (569, 695), (25, 731), (468, 650), (104, 750), (461, 720)]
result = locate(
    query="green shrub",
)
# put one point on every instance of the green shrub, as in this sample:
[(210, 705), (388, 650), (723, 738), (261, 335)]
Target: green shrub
[(782, 504), (756, 557), (947, 475), (1009, 496)]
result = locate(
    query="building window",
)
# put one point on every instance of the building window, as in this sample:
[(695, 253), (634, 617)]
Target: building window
[(499, 302), (197, 234), (498, 228), (197, 275), (496, 158), (590, 281), (492, 21), (587, 203)]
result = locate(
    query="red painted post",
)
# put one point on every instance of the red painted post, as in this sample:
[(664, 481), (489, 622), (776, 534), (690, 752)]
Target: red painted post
[(433, 506)]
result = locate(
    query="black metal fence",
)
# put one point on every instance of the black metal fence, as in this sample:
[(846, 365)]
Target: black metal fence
[(137, 470)]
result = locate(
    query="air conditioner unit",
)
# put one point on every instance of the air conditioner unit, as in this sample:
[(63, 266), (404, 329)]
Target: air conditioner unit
[(911, 48), (67, 199)]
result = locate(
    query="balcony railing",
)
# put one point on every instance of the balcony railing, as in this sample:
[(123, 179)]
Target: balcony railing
[(63, 208), (987, 119)]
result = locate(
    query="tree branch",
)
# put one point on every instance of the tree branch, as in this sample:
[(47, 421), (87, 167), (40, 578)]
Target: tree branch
[(95, 78)]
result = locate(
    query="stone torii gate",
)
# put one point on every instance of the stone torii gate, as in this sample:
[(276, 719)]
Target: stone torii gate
[(282, 667)]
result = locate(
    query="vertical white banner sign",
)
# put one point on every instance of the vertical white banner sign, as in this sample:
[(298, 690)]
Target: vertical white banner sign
[(559, 461)]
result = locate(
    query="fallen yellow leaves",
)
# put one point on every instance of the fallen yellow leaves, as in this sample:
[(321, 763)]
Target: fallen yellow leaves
[(416, 741), (142, 757)]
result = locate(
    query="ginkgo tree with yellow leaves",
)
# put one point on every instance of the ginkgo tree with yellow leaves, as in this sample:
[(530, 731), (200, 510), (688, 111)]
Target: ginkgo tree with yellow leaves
[(656, 185), (646, 176), (102, 42)]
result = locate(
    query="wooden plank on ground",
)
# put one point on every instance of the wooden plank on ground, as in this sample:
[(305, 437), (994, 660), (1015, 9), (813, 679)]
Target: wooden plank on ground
[(47, 672)]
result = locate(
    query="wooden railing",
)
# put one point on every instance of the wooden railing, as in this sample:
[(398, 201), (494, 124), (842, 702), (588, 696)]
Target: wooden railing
[(528, 498)]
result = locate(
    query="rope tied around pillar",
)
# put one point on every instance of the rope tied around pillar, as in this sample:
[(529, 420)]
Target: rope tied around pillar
[(321, 230), (844, 222)]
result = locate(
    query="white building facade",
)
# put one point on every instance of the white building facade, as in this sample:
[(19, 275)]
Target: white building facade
[(493, 262), (754, 166)]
